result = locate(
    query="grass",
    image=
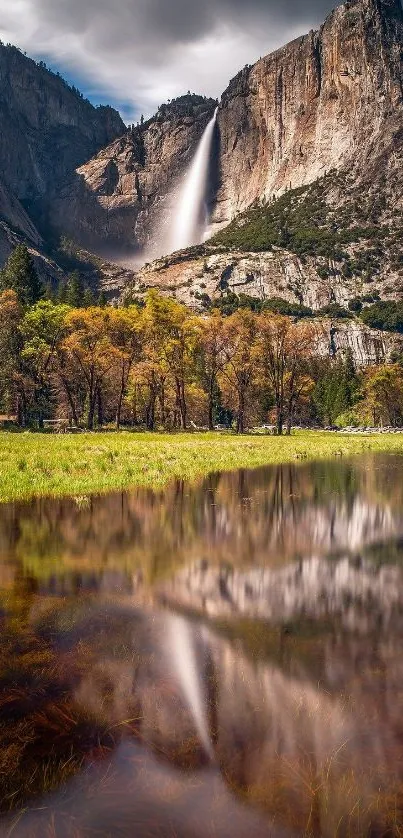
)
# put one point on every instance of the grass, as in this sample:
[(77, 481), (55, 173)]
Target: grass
[(33, 465)]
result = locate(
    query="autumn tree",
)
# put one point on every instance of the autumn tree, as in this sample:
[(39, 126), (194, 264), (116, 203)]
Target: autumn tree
[(284, 350), (89, 348), (148, 385), (171, 329), (382, 395), (126, 332), (237, 375), (211, 357)]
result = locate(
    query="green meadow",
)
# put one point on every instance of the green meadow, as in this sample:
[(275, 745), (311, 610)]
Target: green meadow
[(34, 465)]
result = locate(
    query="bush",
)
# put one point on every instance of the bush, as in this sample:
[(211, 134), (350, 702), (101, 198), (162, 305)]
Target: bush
[(387, 316), (301, 221), (231, 302), (355, 304), (334, 310), (370, 298), (280, 306), (348, 419)]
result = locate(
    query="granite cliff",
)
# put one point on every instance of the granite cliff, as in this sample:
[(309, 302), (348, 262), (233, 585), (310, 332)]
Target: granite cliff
[(328, 100), (308, 186), (48, 129)]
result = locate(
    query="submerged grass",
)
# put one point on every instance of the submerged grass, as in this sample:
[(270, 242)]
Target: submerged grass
[(33, 465)]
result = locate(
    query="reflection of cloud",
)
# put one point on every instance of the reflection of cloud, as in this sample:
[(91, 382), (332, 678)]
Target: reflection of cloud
[(150, 50)]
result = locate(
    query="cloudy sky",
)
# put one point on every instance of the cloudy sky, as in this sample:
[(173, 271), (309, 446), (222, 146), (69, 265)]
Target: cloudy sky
[(136, 54)]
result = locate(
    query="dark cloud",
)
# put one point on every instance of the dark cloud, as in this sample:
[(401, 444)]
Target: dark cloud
[(145, 51)]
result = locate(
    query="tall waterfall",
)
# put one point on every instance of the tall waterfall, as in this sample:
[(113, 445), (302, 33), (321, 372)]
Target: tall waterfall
[(191, 216)]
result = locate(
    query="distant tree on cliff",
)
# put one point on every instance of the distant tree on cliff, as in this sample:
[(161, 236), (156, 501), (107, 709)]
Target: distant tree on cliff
[(19, 275)]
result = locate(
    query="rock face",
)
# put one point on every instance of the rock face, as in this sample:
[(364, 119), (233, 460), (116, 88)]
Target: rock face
[(331, 101), (47, 128), (16, 227), (327, 100), (194, 279), (12, 213), (128, 190), (275, 273), (366, 346), (46, 268)]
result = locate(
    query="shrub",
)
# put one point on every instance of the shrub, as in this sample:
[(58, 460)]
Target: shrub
[(334, 310), (280, 306), (384, 315), (355, 304)]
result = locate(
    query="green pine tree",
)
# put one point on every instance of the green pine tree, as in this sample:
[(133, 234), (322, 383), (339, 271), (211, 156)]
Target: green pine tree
[(88, 298), (62, 291), (75, 290), (19, 275), (102, 300), (49, 293)]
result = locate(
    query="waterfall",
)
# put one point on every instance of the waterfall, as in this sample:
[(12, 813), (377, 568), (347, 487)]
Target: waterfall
[(191, 217), (183, 656)]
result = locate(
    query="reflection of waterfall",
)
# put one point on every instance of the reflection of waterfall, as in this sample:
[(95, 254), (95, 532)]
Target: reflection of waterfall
[(191, 216), (182, 650)]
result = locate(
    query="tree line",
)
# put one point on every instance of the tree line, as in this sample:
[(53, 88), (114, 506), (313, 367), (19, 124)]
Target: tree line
[(157, 364)]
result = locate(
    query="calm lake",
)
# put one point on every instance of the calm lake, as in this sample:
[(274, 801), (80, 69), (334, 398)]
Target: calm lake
[(215, 659)]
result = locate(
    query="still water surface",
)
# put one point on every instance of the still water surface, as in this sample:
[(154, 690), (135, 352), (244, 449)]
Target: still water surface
[(216, 659)]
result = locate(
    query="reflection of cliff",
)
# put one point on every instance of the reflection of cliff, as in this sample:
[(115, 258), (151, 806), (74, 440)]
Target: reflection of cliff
[(262, 518), (363, 596)]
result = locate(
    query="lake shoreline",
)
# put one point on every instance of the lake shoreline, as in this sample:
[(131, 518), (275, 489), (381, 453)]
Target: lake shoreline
[(38, 465)]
